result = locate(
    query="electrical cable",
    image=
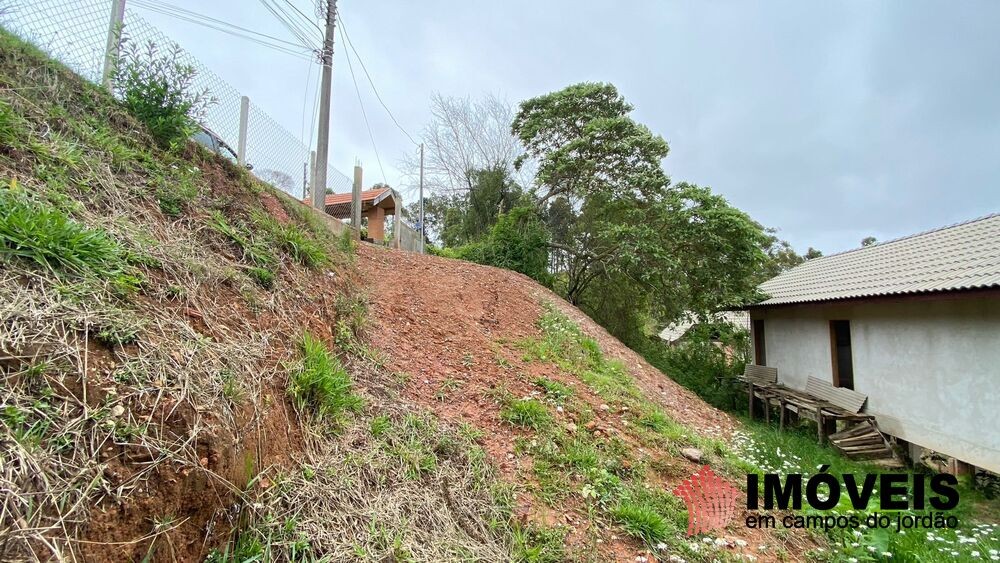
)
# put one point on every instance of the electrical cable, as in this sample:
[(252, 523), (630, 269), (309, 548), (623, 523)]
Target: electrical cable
[(363, 114), (269, 41), (181, 13), (347, 39)]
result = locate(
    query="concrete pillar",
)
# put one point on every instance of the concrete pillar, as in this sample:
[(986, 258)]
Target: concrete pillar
[(376, 224), (241, 143)]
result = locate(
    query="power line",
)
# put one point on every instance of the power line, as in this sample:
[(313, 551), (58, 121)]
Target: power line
[(304, 17), (362, 104), (263, 39), (347, 38), (291, 23), (305, 96)]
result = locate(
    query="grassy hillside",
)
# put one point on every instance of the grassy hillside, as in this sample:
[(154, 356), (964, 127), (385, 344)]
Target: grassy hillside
[(182, 360)]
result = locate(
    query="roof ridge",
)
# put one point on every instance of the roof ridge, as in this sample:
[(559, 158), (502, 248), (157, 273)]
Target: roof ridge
[(906, 237)]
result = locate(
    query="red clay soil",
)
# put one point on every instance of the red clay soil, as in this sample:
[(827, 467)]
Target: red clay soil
[(446, 324)]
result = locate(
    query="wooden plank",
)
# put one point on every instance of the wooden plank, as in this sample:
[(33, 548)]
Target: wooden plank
[(847, 399), (867, 441), (856, 432), (853, 431), (884, 453)]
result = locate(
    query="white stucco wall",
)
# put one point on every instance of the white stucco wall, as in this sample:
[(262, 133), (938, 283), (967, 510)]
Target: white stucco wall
[(930, 368)]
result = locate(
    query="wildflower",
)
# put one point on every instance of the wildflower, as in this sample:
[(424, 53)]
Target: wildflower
[(975, 554), (887, 554), (872, 548)]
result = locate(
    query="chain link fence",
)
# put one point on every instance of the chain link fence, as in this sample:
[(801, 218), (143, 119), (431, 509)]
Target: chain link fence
[(75, 32)]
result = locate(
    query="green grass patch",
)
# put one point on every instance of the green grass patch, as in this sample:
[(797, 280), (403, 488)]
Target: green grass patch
[(292, 239), (641, 522), (558, 392), (47, 237), (537, 544), (526, 412), (254, 251), (262, 277), (320, 383)]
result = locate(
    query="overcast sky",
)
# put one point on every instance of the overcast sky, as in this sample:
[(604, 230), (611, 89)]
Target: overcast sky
[(829, 122)]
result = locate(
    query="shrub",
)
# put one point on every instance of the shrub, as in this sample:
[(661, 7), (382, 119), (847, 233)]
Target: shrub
[(518, 241), (157, 88), (526, 412), (700, 365), (321, 383)]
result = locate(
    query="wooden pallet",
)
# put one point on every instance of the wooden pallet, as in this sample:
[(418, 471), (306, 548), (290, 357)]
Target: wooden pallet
[(864, 441)]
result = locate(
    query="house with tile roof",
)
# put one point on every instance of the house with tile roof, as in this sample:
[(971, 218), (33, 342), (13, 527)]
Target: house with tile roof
[(913, 323)]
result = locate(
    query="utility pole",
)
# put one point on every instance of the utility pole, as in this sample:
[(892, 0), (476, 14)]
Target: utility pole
[(422, 198), (323, 139)]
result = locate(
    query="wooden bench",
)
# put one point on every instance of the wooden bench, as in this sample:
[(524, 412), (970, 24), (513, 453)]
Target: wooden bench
[(824, 401), (759, 380)]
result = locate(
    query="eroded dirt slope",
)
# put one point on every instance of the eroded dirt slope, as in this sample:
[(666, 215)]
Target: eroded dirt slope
[(455, 332)]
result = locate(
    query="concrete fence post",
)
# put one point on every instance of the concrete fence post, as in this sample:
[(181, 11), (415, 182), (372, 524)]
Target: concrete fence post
[(356, 201), (113, 45), (312, 175), (241, 146)]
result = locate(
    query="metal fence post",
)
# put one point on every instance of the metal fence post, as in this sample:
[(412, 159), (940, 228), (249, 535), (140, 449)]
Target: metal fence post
[(241, 150), (114, 43)]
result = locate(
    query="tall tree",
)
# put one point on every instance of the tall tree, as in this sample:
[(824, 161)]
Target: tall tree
[(634, 247), (586, 144)]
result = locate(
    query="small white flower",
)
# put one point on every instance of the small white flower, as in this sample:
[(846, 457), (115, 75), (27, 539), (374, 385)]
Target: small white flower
[(887, 554), (975, 554)]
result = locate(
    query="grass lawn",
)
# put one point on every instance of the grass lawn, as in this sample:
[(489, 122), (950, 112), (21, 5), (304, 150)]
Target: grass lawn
[(795, 450)]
